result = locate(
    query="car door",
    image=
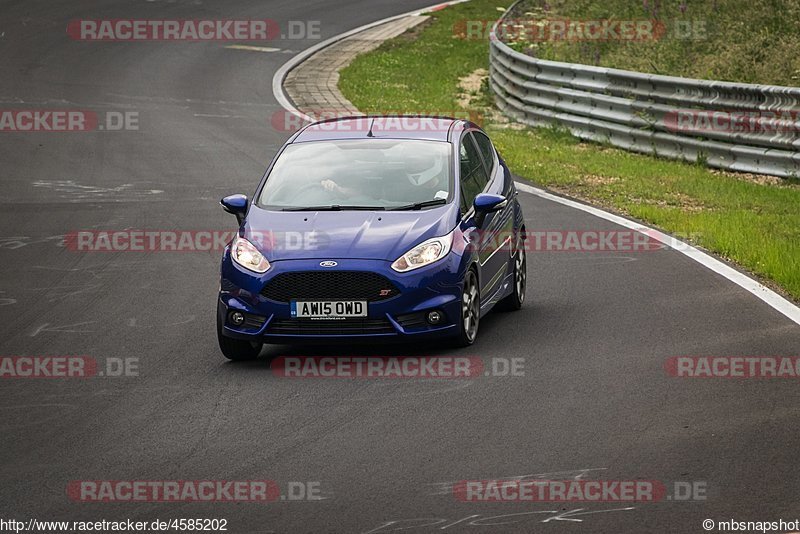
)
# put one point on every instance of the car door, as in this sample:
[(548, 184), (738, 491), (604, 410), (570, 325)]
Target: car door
[(498, 227), (475, 180)]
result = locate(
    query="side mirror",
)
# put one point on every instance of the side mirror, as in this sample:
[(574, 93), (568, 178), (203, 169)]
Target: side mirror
[(487, 203), (236, 204)]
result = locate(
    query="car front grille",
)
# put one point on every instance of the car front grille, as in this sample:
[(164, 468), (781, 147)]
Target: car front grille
[(330, 327), (331, 285)]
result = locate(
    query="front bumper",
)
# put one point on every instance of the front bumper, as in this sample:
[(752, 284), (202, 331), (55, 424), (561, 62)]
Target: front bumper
[(435, 287)]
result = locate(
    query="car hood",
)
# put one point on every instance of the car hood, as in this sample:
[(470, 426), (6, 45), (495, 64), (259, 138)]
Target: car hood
[(381, 235)]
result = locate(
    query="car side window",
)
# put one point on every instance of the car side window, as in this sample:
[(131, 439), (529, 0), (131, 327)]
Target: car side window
[(485, 147), (473, 173), (470, 161)]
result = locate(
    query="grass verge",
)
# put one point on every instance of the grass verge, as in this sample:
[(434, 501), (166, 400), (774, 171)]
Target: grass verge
[(734, 40), (751, 220)]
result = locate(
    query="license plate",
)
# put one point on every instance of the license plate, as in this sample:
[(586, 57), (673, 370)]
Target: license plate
[(341, 309)]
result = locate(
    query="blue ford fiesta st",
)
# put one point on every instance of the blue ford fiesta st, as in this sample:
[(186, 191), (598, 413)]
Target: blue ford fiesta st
[(373, 229)]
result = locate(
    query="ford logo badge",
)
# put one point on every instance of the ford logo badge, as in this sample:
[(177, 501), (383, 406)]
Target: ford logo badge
[(328, 264)]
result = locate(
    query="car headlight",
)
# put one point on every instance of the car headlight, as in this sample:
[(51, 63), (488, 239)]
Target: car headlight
[(424, 254), (248, 256)]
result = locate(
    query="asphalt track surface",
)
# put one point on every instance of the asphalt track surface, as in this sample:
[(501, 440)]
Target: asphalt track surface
[(594, 400)]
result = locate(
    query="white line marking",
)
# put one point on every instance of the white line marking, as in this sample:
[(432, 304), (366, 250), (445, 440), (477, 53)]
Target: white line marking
[(220, 116), (253, 48), (771, 298), (570, 515), (69, 328), (774, 300)]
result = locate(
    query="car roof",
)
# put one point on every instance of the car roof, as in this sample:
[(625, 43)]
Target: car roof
[(381, 127)]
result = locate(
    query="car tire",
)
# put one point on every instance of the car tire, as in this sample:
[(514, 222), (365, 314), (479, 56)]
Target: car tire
[(470, 311), (237, 349), (514, 301)]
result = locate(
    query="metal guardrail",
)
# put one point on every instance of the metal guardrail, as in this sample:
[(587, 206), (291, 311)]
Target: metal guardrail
[(652, 114)]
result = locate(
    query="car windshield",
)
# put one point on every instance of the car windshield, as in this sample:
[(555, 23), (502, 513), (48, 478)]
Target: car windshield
[(359, 174)]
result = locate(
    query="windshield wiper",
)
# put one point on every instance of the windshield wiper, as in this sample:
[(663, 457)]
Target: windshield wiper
[(335, 207), (420, 205)]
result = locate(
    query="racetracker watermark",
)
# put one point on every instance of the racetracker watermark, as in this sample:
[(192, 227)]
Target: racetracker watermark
[(67, 120), (443, 367), (515, 490), (66, 367), (256, 491), (391, 121), (733, 366), (580, 30), (562, 241), (144, 240), (130, 30), (173, 491), (723, 121), (139, 240)]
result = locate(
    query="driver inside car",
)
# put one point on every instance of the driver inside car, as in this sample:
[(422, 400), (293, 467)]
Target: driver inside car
[(425, 179)]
